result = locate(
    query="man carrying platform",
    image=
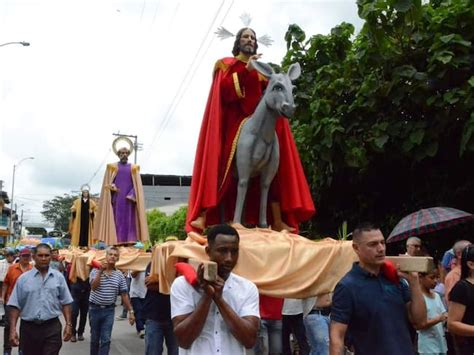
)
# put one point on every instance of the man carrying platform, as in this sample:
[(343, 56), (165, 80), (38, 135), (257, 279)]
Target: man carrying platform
[(219, 317)]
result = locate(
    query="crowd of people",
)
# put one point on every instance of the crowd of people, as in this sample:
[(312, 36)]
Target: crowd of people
[(371, 311)]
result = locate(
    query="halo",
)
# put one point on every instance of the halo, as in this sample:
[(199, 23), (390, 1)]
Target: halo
[(85, 187), (125, 139)]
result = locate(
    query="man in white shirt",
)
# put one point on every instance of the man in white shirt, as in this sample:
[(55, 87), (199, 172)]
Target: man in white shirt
[(220, 317)]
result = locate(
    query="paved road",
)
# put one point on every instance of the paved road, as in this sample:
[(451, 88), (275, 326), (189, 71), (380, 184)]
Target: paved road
[(125, 340)]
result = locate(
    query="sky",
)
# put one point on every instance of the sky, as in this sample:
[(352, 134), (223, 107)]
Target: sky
[(136, 67)]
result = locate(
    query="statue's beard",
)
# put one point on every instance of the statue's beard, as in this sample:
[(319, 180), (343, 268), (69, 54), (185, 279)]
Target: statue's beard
[(248, 49)]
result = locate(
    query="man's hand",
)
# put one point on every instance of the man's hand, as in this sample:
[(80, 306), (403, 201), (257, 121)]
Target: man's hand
[(14, 338), (411, 277), (131, 318), (204, 284), (67, 332), (218, 286)]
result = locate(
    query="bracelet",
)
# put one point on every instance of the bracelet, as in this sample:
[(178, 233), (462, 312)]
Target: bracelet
[(131, 311), (69, 325)]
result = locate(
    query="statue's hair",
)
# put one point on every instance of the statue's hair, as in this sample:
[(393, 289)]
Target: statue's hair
[(236, 49)]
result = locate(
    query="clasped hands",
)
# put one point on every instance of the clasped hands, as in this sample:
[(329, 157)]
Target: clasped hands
[(213, 289)]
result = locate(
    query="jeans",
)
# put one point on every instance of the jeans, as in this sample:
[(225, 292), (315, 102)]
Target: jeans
[(101, 321), (137, 305), (294, 324), (154, 334), (269, 340), (317, 331), (80, 306)]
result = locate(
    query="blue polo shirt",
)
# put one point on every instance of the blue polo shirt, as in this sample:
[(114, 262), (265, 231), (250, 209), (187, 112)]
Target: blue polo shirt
[(374, 310)]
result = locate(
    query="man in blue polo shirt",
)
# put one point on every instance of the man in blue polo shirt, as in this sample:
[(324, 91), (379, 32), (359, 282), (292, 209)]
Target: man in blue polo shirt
[(371, 309)]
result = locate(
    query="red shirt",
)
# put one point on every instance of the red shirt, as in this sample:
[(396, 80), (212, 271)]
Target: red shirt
[(13, 273), (270, 307)]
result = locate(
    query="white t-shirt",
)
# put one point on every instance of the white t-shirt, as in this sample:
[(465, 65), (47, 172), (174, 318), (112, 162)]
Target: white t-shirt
[(215, 338), (137, 286), (432, 340)]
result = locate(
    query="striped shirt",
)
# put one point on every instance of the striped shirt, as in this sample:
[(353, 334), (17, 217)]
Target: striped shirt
[(109, 288)]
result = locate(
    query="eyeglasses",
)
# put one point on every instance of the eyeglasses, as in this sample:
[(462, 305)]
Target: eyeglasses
[(414, 245), (25, 255)]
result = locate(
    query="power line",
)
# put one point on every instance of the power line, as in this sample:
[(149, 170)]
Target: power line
[(100, 166), (175, 100), (192, 75)]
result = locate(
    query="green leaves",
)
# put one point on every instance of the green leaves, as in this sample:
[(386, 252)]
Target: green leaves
[(403, 5), (396, 100)]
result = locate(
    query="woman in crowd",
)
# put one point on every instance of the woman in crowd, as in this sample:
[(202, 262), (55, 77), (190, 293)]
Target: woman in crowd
[(461, 305)]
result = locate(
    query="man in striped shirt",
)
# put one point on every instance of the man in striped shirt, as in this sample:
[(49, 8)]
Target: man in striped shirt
[(106, 284)]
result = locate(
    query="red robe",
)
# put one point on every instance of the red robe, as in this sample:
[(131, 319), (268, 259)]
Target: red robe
[(234, 95)]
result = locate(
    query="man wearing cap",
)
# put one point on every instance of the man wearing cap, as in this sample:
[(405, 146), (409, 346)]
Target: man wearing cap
[(39, 297), (82, 224), (13, 273), (121, 217)]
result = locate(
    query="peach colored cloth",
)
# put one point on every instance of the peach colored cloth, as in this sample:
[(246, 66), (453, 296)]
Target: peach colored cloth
[(280, 264), (130, 259)]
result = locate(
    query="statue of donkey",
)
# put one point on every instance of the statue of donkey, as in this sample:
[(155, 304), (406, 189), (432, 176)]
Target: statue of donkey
[(258, 152)]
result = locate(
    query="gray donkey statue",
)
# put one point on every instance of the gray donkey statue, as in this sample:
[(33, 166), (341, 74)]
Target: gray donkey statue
[(257, 151)]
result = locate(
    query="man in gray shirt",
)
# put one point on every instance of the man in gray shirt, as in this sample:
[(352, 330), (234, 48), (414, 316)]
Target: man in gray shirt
[(39, 297)]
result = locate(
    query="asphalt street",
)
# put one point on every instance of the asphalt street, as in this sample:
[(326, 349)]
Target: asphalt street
[(125, 340)]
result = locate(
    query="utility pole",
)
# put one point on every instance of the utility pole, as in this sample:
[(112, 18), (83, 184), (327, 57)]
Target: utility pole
[(136, 146)]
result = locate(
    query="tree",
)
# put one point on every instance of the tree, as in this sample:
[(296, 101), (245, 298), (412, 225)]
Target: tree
[(58, 211), (385, 120), (161, 226)]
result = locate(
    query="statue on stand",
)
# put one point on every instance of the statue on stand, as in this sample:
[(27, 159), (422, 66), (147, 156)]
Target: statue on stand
[(82, 223), (121, 218), (235, 92)]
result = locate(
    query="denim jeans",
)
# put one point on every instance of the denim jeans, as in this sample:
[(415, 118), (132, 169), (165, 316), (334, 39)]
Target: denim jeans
[(137, 305), (317, 331), (101, 321), (293, 324), (155, 332), (80, 306), (269, 338)]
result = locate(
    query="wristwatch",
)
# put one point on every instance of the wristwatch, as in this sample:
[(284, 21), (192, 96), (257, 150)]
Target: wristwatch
[(131, 311), (69, 325)]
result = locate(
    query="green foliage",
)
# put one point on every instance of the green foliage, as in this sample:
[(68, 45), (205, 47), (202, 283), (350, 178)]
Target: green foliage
[(161, 226), (58, 211), (385, 119)]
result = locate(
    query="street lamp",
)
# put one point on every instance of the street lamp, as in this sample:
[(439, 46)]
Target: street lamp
[(13, 191), (23, 43)]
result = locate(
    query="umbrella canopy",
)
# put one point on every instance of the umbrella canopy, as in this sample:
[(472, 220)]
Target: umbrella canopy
[(427, 220)]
